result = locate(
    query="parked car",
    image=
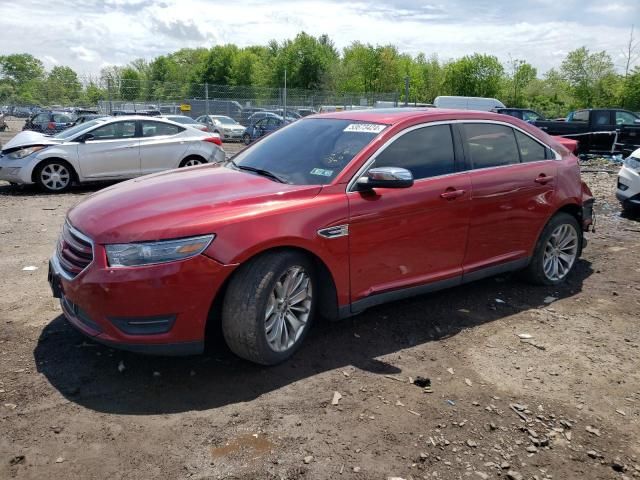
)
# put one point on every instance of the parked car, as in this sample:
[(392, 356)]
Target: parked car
[(268, 123), (601, 130), (83, 118), (305, 112), (328, 216), (468, 103), (246, 113), (111, 148), (226, 127), (184, 120), (49, 122), (521, 113), (21, 112), (628, 188)]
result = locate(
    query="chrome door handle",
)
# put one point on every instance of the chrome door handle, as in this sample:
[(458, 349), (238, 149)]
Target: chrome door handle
[(543, 179), (452, 194)]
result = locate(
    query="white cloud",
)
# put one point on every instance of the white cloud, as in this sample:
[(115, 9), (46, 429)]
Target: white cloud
[(118, 31)]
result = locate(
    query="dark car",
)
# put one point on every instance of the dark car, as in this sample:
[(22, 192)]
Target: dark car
[(87, 117), (247, 113), (147, 113), (521, 113), (598, 130), (49, 122), (267, 124)]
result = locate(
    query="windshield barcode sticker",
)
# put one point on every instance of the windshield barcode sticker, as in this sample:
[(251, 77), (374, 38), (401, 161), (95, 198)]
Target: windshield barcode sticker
[(365, 128), (322, 172)]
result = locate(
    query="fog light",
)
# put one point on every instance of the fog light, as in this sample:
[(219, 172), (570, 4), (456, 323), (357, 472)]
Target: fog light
[(144, 325)]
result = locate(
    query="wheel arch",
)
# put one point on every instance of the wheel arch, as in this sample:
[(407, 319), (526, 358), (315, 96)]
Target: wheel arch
[(37, 166), (327, 307)]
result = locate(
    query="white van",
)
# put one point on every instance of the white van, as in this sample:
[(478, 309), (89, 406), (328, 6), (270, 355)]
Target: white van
[(468, 103)]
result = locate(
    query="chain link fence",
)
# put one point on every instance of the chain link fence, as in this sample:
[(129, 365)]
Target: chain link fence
[(114, 95)]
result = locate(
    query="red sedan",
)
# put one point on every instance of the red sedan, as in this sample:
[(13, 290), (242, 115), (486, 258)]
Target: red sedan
[(326, 217)]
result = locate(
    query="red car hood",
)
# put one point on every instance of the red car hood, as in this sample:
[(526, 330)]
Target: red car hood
[(179, 203)]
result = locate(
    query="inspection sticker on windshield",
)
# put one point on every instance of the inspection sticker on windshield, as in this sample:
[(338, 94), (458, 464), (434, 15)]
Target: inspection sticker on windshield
[(322, 172), (365, 128)]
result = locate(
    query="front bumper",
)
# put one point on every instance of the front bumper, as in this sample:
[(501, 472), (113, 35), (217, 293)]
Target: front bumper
[(232, 135), (157, 309), (628, 187)]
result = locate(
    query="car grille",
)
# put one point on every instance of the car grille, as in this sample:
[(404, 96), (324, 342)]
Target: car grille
[(74, 252)]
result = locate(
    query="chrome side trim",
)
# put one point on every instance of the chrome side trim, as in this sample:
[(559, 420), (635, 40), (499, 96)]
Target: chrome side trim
[(334, 232), (372, 159)]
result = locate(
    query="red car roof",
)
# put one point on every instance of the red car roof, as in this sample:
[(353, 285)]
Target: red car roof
[(391, 116)]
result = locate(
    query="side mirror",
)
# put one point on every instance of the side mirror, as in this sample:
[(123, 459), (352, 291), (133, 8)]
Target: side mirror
[(385, 177), (86, 137), (637, 120)]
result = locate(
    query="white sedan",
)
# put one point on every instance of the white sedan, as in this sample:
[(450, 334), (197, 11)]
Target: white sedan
[(111, 148)]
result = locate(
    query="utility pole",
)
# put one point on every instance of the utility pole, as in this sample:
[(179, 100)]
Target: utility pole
[(206, 98), (284, 97)]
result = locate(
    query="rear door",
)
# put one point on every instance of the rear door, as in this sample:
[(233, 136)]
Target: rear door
[(407, 237), (603, 127), (111, 152), (513, 179), (161, 146)]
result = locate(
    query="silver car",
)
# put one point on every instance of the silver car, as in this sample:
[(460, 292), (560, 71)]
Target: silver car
[(111, 148), (227, 127)]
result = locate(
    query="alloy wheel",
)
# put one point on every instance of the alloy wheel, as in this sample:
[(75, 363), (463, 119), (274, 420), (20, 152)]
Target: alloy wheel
[(560, 252), (288, 309), (192, 162), (55, 176)]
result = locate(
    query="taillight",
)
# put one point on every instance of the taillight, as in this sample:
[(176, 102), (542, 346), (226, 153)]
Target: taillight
[(51, 126), (215, 140)]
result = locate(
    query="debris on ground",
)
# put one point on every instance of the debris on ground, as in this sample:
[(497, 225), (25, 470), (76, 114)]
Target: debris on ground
[(422, 382), (336, 398)]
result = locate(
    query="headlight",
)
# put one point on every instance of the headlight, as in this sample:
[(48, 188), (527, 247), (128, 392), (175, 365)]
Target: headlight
[(632, 163), (24, 152), (136, 254)]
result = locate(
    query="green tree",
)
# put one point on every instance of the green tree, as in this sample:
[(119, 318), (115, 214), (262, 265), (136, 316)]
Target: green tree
[(589, 75), (62, 86), (474, 76), (130, 84), (521, 74)]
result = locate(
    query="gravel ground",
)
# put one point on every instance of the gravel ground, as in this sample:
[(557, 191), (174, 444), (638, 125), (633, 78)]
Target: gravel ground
[(563, 402)]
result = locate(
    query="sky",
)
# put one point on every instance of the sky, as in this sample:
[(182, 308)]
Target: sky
[(90, 34)]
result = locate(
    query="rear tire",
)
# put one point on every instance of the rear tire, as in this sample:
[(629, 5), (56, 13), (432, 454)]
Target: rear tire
[(192, 162), (269, 307), (556, 252), (54, 176)]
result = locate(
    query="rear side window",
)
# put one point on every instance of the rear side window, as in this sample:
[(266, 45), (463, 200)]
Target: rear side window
[(425, 152), (601, 118), (114, 131), (156, 129), (60, 118), (489, 145), (581, 116), (530, 150)]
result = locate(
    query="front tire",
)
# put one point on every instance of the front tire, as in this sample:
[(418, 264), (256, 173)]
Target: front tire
[(54, 176), (269, 307), (556, 252), (246, 139)]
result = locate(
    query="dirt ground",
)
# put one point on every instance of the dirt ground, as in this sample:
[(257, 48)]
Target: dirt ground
[(562, 404)]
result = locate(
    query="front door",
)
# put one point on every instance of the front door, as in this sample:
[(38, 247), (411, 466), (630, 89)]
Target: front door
[(513, 179), (406, 237), (112, 151)]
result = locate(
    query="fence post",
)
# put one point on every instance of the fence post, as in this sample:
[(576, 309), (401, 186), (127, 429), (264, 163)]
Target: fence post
[(406, 91), (109, 93), (206, 98)]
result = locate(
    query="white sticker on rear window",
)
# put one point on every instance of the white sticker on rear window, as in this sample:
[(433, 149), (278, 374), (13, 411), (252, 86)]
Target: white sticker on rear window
[(365, 128), (322, 172)]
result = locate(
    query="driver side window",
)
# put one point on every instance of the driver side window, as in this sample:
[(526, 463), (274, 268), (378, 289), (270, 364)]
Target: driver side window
[(425, 152), (624, 118), (114, 131)]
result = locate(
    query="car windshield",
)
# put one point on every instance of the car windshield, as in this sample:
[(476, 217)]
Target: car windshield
[(309, 152), (70, 132), (226, 120)]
